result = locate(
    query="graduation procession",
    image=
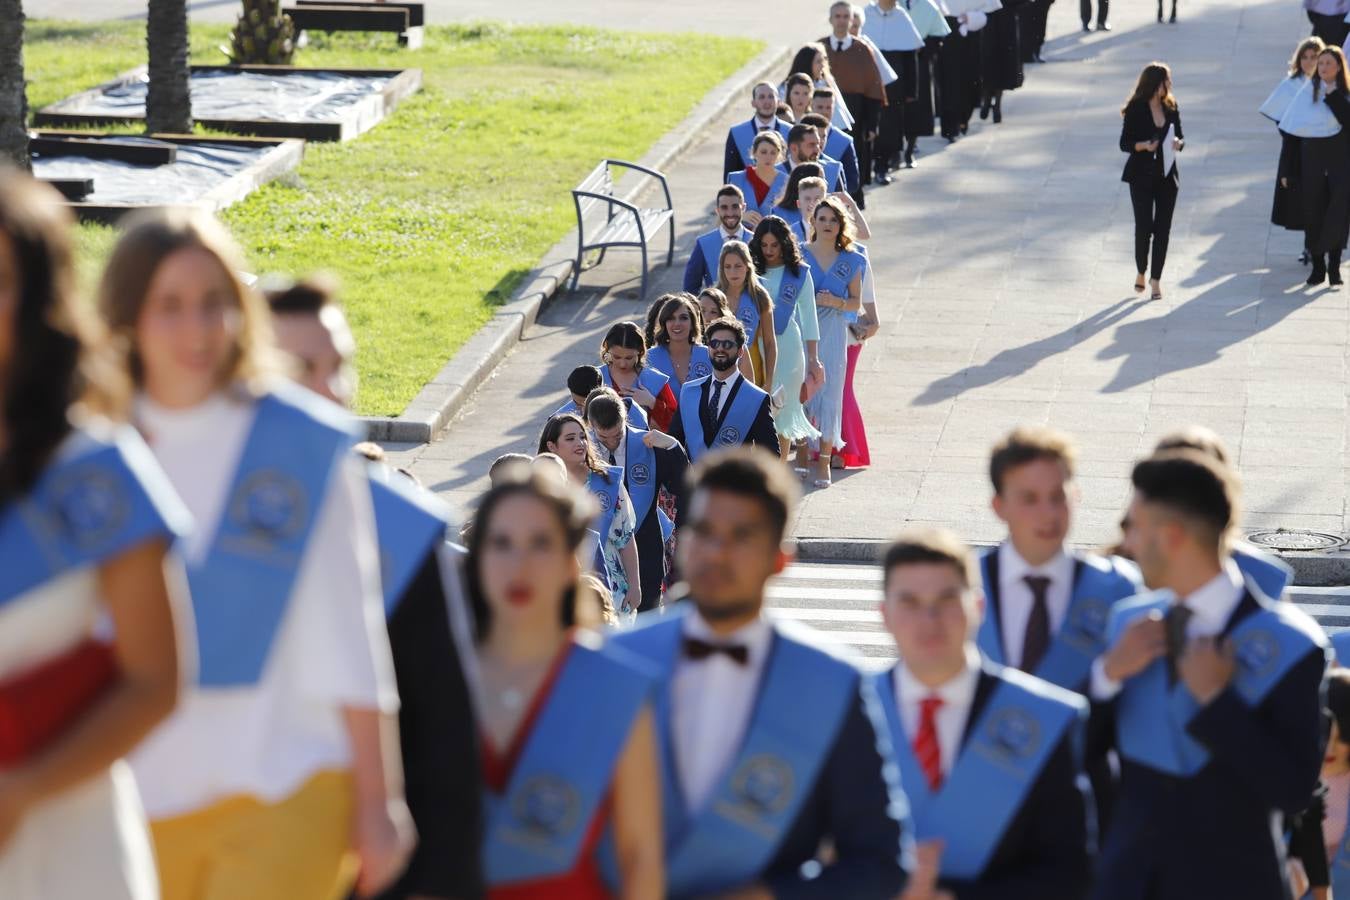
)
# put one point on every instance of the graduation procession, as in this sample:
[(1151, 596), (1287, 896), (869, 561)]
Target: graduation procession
[(247, 653)]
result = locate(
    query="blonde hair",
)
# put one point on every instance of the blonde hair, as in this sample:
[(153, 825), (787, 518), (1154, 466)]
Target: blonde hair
[(153, 236), (846, 237), (763, 302), (921, 546)]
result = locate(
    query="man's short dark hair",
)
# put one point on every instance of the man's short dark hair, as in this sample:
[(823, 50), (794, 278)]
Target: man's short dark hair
[(1195, 437), (799, 132), (730, 190), (821, 93), (784, 112), (1027, 444), (1196, 488), (305, 297), (750, 472), (816, 120), (583, 380), (604, 409), (726, 323), (922, 546)]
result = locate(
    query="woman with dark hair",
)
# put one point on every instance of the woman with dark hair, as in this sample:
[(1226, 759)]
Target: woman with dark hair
[(1318, 116), (1149, 118), (812, 60), (88, 656), (787, 278), (568, 743), (763, 181), (679, 350), (646, 391), (786, 207), (837, 270), (736, 279), (797, 91), (565, 436), (1287, 208), (280, 740)]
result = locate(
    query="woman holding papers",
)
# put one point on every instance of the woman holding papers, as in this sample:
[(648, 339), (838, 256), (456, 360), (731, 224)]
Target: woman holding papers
[(1317, 116), (1287, 209), (1151, 134)]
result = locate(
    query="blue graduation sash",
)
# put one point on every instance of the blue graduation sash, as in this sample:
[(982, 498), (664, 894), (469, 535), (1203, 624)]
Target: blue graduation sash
[(789, 289), (766, 206), (409, 522), (735, 428), (241, 589), (834, 173), (647, 378), (1152, 716), (1098, 583), (1340, 868), (569, 407), (1278, 102), (1271, 574), (1340, 645), (641, 481), (744, 135), (606, 493), (748, 313), (85, 508), (537, 827), (710, 244), (700, 363), (804, 695), (1017, 731), (837, 144)]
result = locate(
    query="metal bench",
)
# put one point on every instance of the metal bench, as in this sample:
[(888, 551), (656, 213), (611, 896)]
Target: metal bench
[(625, 224), (337, 15)]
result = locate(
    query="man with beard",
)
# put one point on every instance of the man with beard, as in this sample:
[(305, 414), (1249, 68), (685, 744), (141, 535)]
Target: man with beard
[(804, 145), (764, 99), (773, 753), (698, 272), (723, 409)]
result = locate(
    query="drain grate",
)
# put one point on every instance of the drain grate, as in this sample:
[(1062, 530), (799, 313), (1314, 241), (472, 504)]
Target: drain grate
[(1296, 539)]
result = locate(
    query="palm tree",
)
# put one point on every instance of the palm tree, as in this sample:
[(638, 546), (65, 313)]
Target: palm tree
[(13, 98), (168, 101)]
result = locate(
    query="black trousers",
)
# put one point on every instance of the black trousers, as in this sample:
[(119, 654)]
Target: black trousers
[(1331, 29), (1160, 9), (864, 112), (1035, 17), (1325, 186), (1085, 11), (651, 551), (1154, 202)]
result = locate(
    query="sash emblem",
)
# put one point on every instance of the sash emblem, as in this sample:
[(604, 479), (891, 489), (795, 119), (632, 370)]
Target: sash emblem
[(1257, 653), (90, 506), (603, 499), (789, 291), (842, 270), (547, 806), (270, 505), (729, 435), (1086, 628), (762, 785), (640, 474), (1011, 736), (700, 370)]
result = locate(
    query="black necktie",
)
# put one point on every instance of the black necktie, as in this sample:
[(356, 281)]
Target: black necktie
[(1037, 639), (696, 650), (1175, 625), (612, 460), (715, 402)]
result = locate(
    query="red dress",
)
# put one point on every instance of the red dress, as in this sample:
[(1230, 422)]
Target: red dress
[(584, 881), (761, 189)]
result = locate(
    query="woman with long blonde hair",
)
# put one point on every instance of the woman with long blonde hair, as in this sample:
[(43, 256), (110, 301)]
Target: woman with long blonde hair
[(751, 303)]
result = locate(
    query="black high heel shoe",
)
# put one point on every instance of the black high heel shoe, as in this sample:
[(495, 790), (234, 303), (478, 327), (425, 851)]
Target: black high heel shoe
[(1319, 270)]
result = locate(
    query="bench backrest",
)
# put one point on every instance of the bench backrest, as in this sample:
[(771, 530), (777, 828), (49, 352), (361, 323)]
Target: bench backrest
[(598, 182)]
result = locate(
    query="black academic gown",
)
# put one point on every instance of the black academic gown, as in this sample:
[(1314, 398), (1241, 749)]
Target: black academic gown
[(1218, 833), (957, 70), (919, 114), (1287, 208), (1001, 49)]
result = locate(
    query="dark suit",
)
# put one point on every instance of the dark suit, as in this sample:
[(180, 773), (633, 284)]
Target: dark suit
[(439, 742), (1217, 833), (761, 434), (1153, 192), (671, 466), (1045, 853)]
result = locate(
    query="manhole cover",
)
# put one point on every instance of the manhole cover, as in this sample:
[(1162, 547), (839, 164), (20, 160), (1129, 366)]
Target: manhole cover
[(1296, 539)]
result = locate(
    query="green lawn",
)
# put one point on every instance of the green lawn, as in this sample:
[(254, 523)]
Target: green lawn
[(431, 219)]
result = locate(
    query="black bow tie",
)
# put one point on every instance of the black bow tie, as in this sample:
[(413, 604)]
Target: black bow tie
[(696, 649)]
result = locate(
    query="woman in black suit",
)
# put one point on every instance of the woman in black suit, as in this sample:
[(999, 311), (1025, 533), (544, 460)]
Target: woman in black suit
[(1148, 116)]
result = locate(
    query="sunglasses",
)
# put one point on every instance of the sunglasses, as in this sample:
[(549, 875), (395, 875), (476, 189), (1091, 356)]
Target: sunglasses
[(719, 344)]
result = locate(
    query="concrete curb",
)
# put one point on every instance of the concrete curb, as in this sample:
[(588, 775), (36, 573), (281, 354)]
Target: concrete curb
[(1310, 569), (441, 398)]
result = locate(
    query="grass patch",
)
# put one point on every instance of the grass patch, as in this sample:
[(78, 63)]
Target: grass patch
[(431, 219)]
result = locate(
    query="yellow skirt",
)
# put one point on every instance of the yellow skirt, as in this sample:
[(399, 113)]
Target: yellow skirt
[(244, 849), (761, 378)]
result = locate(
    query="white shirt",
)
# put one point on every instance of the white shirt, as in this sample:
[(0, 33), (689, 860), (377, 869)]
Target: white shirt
[(841, 45), (1211, 605), (957, 694), (730, 235), (727, 386), (330, 651), (1015, 597), (619, 453), (711, 703)]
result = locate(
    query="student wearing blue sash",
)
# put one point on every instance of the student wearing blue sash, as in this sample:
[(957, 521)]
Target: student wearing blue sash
[(789, 206), (834, 168), (803, 146), (278, 740), (651, 462), (678, 349), (592, 553), (763, 180), (565, 721), (566, 436), (1215, 695), (425, 615), (725, 409), (836, 144), (990, 758), (700, 272), (778, 261), (1331, 818), (837, 271), (580, 382), (89, 586), (770, 747), (1046, 605), (646, 391), (764, 99), (752, 305)]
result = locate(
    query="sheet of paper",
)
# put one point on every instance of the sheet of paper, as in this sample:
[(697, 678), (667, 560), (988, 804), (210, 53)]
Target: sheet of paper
[(1169, 154)]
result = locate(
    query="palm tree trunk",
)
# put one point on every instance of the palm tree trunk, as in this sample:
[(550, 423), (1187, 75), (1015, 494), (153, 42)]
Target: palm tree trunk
[(13, 98), (168, 102)]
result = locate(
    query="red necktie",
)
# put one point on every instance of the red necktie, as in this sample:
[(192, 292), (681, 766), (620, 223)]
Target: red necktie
[(926, 742)]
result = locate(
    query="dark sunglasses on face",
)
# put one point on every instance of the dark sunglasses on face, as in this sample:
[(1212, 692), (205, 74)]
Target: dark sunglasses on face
[(719, 344)]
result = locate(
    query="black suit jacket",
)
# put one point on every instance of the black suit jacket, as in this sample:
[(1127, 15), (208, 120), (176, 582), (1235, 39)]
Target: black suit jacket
[(1046, 851), (1142, 167), (850, 806), (440, 745), (1218, 833), (762, 433)]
